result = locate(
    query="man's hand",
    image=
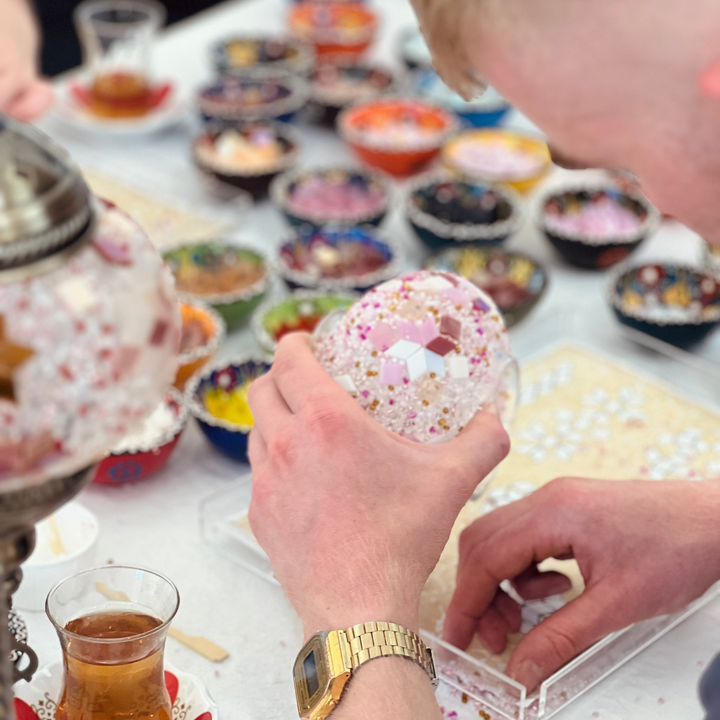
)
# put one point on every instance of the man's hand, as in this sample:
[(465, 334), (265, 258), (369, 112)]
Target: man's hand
[(353, 517), (644, 549), (23, 94)]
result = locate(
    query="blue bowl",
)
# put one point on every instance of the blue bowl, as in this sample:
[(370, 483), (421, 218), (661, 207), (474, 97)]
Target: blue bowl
[(229, 438), (298, 267), (676, 304)]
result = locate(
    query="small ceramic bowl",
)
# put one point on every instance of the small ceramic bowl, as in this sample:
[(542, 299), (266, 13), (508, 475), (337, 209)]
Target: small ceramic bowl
[(244, 55), (264, 96), (231, 278), (413, 50), (514, 281), (217, 399), (203, 331), (595, 227), (670, 302), (325, 196), (497, 155), (335, 87), (486, 111), (143, 453), (337, 259), (446, 212), (396, 135), (248, 156), (338, 30), (301, 310)]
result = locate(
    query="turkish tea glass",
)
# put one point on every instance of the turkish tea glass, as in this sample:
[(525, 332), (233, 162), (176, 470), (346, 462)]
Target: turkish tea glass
[(117, 38), (112, 623)]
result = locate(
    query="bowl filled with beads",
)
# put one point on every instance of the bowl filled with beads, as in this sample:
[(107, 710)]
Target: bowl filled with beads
[(514, 281), (332, 196), (302, 310), (338, 30), (673, 303), (203, 331), (244, 55), (595, 227), (447, 212), (217, 398), (337, 259), (497, 155), (143, 452), (248, 156), (231, 278), (485, 111), (266, 96), (335, 87), (397, 135)]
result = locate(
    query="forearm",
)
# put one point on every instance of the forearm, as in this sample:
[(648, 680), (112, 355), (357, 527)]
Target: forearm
[(392, 688)]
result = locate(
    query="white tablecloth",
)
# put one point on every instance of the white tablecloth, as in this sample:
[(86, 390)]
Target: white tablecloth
[(155, 524)]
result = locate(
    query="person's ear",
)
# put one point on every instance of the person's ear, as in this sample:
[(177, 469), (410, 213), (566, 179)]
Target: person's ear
[(709, 80)]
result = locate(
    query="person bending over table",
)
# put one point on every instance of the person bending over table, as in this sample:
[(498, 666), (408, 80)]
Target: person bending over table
[(354, 518)]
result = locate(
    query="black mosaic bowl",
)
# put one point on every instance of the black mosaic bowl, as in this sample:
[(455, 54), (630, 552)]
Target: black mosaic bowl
[(445, 212), (673, 303), (253, 179), (245, 55), (284, 186), (514, 281), (592, 252)]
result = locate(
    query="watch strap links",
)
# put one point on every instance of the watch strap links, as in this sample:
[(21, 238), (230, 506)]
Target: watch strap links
[(372, 640)]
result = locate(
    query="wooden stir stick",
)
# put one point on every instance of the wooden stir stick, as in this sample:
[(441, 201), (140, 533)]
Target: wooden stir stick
[(201, 645)]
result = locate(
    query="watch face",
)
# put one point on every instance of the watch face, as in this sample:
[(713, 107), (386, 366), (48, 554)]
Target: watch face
[(311, 674)]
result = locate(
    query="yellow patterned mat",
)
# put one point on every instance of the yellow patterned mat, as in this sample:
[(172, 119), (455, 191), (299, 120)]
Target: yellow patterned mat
[(584, 415), (165, 225)]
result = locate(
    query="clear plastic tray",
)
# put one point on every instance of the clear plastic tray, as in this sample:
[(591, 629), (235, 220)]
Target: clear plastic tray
[(469, 688)]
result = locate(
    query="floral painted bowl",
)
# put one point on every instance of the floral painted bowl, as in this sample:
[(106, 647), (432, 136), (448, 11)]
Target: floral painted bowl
[(497, 155), (486, 111), (144, 452), (337, 259), (446, 212), (217, 399), (413, 50), (514, 281), (244, 55), (261, 97), (302, 310), (248, 156), (338, 196), (594, 227), (38, 699), (396, 135), (339, 31), (203, 331), (334, 87), (231, 278), (676, 304)]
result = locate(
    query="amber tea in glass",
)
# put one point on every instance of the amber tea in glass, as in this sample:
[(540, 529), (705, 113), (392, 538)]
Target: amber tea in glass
[(112, 623)]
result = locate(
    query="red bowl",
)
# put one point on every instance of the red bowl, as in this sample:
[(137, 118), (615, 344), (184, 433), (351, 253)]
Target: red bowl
[(397, 135), (134, 465)]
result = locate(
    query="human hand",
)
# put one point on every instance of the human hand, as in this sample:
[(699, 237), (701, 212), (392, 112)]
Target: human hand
[(352, 516), (644, 549), (23, 95)]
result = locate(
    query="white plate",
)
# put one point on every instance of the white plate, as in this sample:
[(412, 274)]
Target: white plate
[(37, 700), (170, 111)]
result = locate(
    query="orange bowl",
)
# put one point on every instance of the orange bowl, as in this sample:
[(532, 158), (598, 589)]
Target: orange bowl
[(338, 29), (396, 135), (203, 329)]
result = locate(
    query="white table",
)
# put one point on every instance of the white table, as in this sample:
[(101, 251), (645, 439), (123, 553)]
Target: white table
[(155, 524)]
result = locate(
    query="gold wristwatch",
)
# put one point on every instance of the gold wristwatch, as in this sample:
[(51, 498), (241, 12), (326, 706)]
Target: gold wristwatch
[(327, 662)]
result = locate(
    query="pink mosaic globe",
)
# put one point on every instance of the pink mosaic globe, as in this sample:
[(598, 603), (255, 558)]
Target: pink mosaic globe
[(421, 353)]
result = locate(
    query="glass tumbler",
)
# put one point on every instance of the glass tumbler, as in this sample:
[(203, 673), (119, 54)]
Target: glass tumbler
[(117, 37), (112, 623)]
